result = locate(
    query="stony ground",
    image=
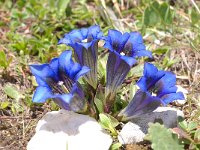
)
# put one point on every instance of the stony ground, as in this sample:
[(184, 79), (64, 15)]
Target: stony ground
[(19, 118), (16, 130)]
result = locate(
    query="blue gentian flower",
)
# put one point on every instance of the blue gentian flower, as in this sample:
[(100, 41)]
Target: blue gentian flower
[(85, 44), (59, 80), (129, 44), (156, 87), (123, 51)]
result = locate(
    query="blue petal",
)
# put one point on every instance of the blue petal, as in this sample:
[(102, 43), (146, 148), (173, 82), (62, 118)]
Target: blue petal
[(82, 72), (166, 84), (168, 80), (79, 53), (84, 32), (171, 97), (142, 83), (99, 35), (64, 59), (75, 35), (75, 68), (143, 53), (151, 81), (89, 58), (63, 100), (65, 41), (135, 47), (149, 70), (41, 82), (150, 76), (85, 53), (37, 70), (65, 62), (43, 72), (95, 31), (76, 89), (71, 38), (81, 50), (116, 40), (54, 65), (78, 35), (129, 60), (42, 94), (61, 104), (87, 45), (165, 90), (136, 38), (70, 102), (117, 69), (141, 103), (78, 104), (108, 45)]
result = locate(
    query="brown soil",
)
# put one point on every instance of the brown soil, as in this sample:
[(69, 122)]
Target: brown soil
[(17, 129)]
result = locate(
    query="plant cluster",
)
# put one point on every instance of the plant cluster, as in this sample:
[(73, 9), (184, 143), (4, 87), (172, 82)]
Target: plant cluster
[(59, 79), (30, 31)]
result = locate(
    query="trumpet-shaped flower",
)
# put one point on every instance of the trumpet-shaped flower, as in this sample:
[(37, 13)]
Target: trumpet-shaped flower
[(129, 44), (85, 44), (59, 80), (156, 87), (124, 49)]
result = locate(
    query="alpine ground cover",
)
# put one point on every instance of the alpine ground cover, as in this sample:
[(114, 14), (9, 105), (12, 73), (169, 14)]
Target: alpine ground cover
[(31, 30)]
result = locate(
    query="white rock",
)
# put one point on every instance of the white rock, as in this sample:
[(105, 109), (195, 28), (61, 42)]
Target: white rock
[(130, 133), (157, 42), (185, 92), (166, 115), (135, 130), (66, 130)]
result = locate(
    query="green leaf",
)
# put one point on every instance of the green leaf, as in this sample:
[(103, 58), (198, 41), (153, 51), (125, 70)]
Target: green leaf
[(12, 92), (165, 13), (162, 138), (62, 5), (192, 125), (114, 121), (5, 104), (115, 146), (33, 81), (107, 123), (99, 97), (133, 90), (54, 106), (182, 123), (150, 17), (52, 4), (3, 59), (137, 71), (99, 104), (195, 17), (13, 109), (102, 69), (17, 107), (160, 51), (157, 13), (197, 136)]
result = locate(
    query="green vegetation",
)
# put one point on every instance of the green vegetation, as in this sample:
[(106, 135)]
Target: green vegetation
[(163, 138), (30, 30)]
